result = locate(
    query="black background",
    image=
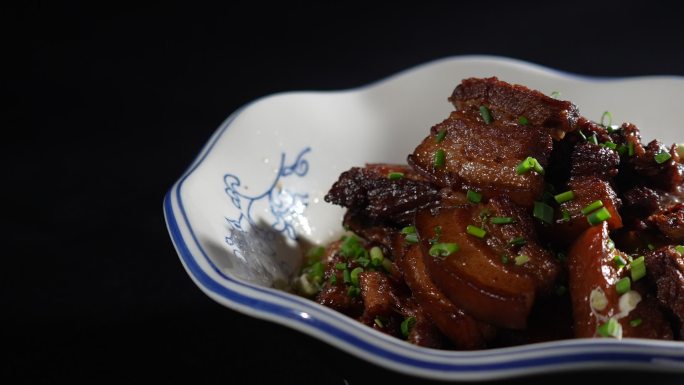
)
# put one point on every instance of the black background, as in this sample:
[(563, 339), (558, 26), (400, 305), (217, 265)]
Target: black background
[(119, 99)]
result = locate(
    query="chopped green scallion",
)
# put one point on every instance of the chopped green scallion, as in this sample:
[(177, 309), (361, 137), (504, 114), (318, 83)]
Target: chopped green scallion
[(501, 220), (566, 216), (379, 322), (581, 134), (440, 135), (680, 249), (351, 246), (598, 216), (410, 234), (523, 121), (609, 144), (623, 285), (439, 159), (611, 329), (411, 238), (407, 325), (521, 260), (395, 175), (340, 266), (564, 196), (555, 94), (517, 241), (630, 149), (476, 231), (346, 276), (443, 249), (637, 268), (662, 157), (353, 291), (376, 256), (619, 261), (592, 206), (504, 259), (635, 322), (474, 196), (528, 164), (354, 275), (438, 234), (363, 261), (486, 114), (606, 119), (622, 149), (408, 230), (593, 139), (543, 212)]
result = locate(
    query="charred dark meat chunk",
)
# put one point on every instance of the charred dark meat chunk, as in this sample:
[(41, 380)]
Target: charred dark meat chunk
[(375, 193), (643, 201), (670, 222), (665, 267), (589, 159)]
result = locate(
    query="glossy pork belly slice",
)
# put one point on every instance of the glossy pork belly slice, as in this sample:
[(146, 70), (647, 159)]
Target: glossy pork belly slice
[(483, 157), (462, 329), (594, 272), (475, 277), (509, 102)]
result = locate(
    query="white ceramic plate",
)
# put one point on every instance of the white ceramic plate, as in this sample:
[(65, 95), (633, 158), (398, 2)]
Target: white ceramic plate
[(254, 195)]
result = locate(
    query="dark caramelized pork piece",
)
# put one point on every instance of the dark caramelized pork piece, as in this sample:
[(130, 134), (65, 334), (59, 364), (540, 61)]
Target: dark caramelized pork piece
[(463, 331), (335, 295), (371, 192), (670, 222), (665, 266), (587, 190), (475, 278), (379, 295), (589, 159), (649, 165), (660, 171), (589, 129), (484, 157), (509, 102), (593, 275), (509, 240), (642, 201)]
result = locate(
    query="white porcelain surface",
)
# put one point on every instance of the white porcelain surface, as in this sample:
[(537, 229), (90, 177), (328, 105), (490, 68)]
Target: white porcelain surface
[(254, 196)]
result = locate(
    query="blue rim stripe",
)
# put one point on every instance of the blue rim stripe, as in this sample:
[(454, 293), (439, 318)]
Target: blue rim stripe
[(351, 339)]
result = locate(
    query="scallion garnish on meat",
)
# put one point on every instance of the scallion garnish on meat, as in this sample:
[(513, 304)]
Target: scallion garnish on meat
[(476, 231), (486, 114), (529, 164)]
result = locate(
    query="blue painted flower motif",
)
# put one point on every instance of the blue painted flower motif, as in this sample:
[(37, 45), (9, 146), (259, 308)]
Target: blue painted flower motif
[(284, 206)]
